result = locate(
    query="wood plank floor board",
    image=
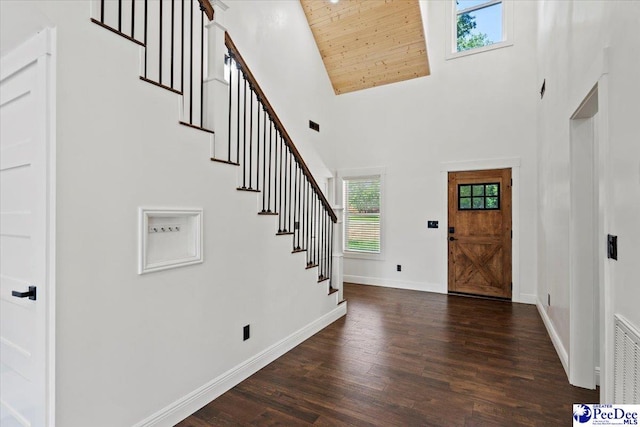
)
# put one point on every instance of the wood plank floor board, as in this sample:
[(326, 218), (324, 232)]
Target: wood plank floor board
[(405, 358)]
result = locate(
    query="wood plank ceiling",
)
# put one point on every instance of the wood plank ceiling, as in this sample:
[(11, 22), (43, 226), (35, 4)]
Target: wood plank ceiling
[(367, 43)]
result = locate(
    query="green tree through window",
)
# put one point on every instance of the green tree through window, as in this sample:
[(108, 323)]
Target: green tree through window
[(362, 222), (466, 39)]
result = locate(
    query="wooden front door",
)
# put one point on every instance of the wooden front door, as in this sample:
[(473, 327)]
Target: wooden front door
[(479, 232)]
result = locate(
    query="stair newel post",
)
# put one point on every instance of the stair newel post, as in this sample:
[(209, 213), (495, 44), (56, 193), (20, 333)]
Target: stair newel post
[(217, 82)]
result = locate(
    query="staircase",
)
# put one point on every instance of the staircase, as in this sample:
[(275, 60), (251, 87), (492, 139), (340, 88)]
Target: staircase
[(252, 138)]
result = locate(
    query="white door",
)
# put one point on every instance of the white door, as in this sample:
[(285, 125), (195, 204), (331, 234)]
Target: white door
[(24, 232)]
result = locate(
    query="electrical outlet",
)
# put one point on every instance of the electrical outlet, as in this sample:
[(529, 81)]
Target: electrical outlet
[(398, 267), (245, 333)]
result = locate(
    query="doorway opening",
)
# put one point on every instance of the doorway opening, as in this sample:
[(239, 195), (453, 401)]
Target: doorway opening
[(584, 236)]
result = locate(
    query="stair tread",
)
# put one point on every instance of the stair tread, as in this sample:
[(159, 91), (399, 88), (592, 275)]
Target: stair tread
[(267, 213), (322, 279), (213, 159), (251, 190), (311, 266), (284, 233), (295, 251), (332, 291), (189, 124), (120, 33)]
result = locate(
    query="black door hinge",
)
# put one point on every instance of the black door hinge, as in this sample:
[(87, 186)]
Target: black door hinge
[(512, 286), (512, 234)]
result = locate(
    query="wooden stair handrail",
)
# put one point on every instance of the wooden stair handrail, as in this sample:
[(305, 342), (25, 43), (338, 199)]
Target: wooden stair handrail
[(287, 139), (207, 8)]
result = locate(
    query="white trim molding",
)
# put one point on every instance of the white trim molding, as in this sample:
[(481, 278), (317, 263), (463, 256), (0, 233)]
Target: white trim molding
[(439, 288), (344, 174), (484, 164), (190, 403), (187, 221), (555, 338), (451, 31)]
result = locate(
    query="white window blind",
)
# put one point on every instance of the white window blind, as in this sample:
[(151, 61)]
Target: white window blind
[(362, 222)]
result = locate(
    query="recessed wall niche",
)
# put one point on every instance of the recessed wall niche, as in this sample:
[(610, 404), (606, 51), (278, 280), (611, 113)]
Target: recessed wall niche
[(169, 238)]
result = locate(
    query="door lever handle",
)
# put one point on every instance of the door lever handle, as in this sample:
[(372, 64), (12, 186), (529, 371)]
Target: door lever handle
[(31, 293), (451, 239)]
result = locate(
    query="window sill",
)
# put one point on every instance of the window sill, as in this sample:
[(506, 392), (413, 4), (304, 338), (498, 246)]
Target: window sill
[(363, 255), (494, 46)]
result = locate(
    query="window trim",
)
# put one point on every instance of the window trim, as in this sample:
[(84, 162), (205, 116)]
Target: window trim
[(451, 20), (362, 173)]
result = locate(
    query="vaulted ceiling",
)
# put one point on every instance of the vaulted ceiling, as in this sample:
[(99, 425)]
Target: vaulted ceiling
[(367, 43)]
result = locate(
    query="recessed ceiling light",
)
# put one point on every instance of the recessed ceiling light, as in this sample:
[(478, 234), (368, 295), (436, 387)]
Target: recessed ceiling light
[(334, 1)]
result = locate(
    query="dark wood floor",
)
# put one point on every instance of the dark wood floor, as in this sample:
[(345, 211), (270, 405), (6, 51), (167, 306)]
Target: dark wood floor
[(407, 358)]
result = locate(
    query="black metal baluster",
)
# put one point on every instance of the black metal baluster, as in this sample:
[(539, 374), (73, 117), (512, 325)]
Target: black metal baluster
[(120, 15), (182, 56), (258, 144), (238, 115), (230, 93), (264, 158), (202, 70), (289, 192), (102, 11), (314, 234), (321, 242), (160, 49), (296, 223), (299, 194), (280, 211), (251, 139), (145, 37), (191, 68), (284, 212), (133, 20), (244, 135), (172, 38), (308, 231), (270, 143)]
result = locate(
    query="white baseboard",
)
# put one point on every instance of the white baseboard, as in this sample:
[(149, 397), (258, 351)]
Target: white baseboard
[(420, 286), (527, 299), (399, 284), (555, 338), (187, 405)]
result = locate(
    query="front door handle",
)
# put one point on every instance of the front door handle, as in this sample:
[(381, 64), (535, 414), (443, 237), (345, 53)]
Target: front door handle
[(451, 239), (31, 293)]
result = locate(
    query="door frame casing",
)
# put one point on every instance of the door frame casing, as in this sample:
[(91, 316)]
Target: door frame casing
[(485, 164), (41, 49)]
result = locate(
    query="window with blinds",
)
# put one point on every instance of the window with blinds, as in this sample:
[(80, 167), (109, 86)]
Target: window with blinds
[(362, 215)]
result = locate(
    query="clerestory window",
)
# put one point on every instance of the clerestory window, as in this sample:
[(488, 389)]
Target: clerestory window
[(478, 26)]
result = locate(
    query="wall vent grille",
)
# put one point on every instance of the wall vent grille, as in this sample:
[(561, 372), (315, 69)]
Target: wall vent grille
[(626, 362)]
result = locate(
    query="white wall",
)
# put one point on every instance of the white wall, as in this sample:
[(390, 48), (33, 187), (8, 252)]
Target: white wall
[(571, 42), (476, 107), (129, 345), (277, 43)]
